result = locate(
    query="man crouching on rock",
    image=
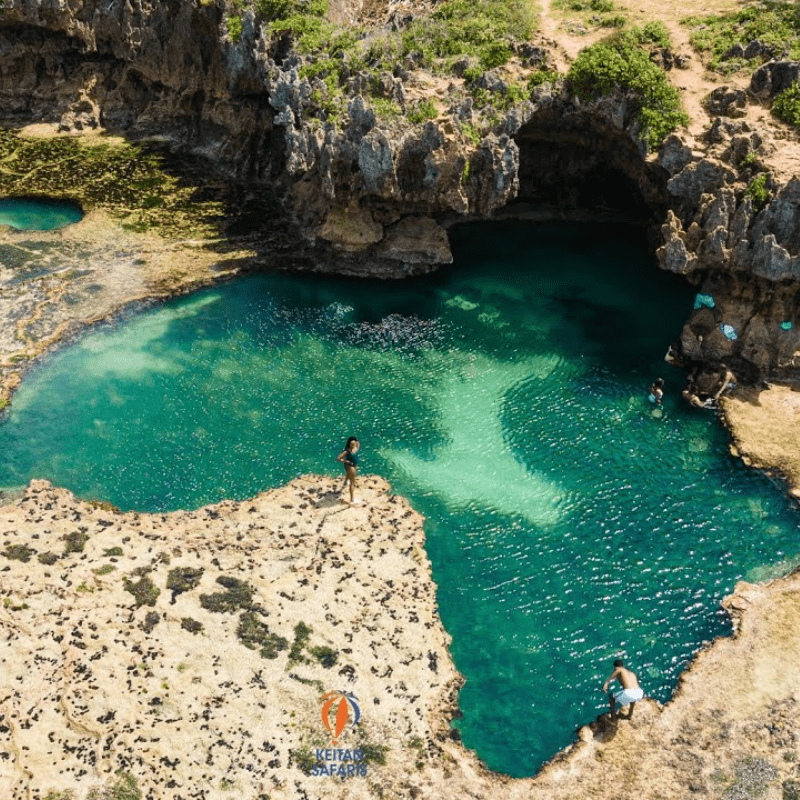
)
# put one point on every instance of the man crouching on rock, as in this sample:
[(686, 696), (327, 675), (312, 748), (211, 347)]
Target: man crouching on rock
[(630, 692)]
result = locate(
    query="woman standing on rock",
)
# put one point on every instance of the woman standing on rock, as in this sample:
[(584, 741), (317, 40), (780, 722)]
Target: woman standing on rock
[(349, 458)]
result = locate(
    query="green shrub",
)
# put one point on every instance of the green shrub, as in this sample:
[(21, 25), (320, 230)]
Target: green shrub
[(301, 634), (620, 62), (238, 594), (326, 656), (18, 552), (786, 105), (757, 191), (652, 33), (75, 542), (191, 625), (273, 9), (748, 160), (255, 635), (603, 6), (384, 108), (617, 21), (235, 27), (542, 76), (471, 133), (772, 22), (145, 592), (459, 28), (183, 579)]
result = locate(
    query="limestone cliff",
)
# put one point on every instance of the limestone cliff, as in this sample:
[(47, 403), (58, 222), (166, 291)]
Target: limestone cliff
[(372, 195), (369, 194)]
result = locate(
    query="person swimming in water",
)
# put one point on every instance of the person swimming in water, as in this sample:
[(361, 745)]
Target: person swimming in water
[(349, 458), (656, 391)]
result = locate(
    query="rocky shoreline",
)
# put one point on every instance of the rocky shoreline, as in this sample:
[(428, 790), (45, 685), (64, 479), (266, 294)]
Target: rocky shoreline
[(187, 655)]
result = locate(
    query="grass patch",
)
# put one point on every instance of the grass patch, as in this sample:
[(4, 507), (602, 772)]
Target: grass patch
[(74, 542), (113, 551), (773, 23), (130, 182), (484, 31), (301, 635), (326, 656), (620, 62), (255, 635), (18, 552), (304, 759), (543, 76), (144, 591), (191, 625), (183, 579), (423, 111), (104, 570), (124, 787), (48, 558), (238, 595)]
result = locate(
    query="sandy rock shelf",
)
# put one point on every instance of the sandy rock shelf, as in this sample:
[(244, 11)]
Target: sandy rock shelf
[(101, 672), (91, 684)]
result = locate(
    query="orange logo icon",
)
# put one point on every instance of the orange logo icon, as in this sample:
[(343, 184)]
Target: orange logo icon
[(342, 702)]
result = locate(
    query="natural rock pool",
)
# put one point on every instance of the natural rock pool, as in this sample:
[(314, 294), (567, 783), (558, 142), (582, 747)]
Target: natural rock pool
[(38, 215), (505, 396)]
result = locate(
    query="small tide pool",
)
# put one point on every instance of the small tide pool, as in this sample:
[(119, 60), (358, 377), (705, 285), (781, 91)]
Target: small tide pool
[(568, 521), (38, 215)]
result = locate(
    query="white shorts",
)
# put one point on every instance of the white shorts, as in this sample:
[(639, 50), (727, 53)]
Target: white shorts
[(627, 696)]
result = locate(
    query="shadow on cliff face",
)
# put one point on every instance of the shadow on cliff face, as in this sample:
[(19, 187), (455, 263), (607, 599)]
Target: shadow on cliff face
[(577, 161)]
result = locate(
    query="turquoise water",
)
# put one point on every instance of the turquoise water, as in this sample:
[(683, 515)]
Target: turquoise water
[(567, 523), (38, 215)]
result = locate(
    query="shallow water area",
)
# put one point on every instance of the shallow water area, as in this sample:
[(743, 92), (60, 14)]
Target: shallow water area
[(38, 215), (568, 521)]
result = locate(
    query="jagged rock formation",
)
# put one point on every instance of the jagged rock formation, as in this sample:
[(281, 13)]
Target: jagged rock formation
[(368, 196), (743, 257), (372, 196)]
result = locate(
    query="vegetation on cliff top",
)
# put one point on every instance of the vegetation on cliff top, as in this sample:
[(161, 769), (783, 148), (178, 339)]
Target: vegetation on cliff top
[(776, 25), (620, 62), (458, 36)]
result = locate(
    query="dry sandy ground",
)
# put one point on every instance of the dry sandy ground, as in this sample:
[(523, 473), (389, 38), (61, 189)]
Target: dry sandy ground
[(91, 684)]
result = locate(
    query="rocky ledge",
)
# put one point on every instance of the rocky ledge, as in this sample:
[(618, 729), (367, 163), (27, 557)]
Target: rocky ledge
[(188, 655)]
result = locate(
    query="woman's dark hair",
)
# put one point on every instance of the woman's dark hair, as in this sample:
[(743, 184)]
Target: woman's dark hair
[(350, 441)]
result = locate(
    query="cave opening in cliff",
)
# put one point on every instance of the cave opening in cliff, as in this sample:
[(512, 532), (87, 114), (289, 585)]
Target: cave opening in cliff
[(578, 165)]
